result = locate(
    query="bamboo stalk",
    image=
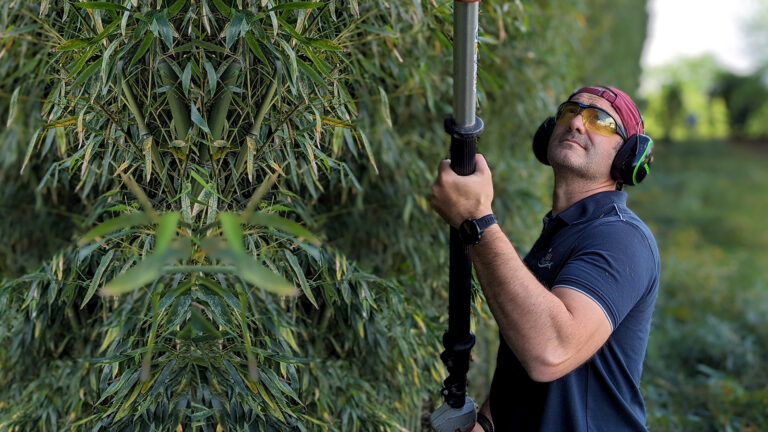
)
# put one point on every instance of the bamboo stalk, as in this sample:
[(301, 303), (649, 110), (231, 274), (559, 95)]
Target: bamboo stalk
[(154, 161), (179, 109), (222, 101), (246, 151)]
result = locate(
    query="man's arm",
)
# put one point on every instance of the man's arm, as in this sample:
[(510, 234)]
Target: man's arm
[(550, 332)]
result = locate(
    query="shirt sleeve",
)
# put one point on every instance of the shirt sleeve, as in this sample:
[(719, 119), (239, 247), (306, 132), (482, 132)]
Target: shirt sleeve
[(615, 265)]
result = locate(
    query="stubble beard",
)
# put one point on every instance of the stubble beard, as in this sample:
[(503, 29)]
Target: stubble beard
[(572, 164)]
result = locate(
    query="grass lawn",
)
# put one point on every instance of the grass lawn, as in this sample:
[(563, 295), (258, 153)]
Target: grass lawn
[(707, 363)]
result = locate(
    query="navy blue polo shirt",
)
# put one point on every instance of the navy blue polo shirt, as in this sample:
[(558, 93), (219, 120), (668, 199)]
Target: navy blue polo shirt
[(600, 248)]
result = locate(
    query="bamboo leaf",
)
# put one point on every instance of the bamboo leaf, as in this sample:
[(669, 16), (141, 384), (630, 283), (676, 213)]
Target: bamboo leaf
[(238, 26), (61, 122), (147, 361), (141, 196), (290, 30), (86, 74), (223, 8), (159, 382), (105, 60), (200, 44), (148, 38), (230, 225), (162, 29), (126, 406), (294, 263), (292, 67), (235, 377), (200, 325), (265, 186), (308, 71), (114, 224), (336, 122), (368, 150), (325, 44), (262, 277), (186, 77), (205, 185), (297, 5), (166, 230), (97, 276), (141, 274), (176, 7), (274, 221), (100, 6), (73, 44), (198, 119), (212, 78), (254, 46), (13, 107), (385, 107)]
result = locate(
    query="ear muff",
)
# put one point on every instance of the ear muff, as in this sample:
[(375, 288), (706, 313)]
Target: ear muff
[(633, 160), (541, 140)]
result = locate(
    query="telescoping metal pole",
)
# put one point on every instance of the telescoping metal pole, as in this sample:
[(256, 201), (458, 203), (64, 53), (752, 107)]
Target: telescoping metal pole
[(458, 411)]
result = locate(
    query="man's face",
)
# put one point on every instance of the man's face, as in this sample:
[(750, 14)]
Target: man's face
[(581, 152)]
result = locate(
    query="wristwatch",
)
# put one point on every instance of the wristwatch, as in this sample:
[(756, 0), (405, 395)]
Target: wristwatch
[(484, 422), (471, 230)]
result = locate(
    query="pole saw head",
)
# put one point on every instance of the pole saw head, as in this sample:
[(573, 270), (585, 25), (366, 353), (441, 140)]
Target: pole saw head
[(450, 419)]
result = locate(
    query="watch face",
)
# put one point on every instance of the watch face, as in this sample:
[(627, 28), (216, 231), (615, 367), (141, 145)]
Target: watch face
[(469, 231)]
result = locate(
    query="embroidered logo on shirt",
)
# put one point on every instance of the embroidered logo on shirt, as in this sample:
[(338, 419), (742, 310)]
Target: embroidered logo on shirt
[(547, 260)]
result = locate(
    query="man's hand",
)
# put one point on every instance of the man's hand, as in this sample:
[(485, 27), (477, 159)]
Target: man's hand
[(456, 198)]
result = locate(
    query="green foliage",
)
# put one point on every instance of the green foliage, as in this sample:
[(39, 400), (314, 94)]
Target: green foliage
[(614, 42), (745, 96), (695, 112), (245, 185), (705, 369)]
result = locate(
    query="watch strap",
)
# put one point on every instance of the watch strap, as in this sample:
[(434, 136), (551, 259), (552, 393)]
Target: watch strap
[(486, 221), (484, 422)]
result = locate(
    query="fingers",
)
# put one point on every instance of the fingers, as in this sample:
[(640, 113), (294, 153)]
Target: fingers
[(444, 165), (481, 165)]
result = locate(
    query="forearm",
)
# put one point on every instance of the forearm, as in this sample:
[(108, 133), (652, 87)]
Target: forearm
[(485, 408), (534, 322)]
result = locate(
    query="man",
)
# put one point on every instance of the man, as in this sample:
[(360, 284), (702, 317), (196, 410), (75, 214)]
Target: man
[(574, 315)]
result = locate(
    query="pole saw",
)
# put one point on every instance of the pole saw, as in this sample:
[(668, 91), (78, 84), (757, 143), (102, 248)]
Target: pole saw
[(458, 410)]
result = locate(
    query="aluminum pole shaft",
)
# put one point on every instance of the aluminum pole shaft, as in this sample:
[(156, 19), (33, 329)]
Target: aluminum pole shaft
[(464, 62)]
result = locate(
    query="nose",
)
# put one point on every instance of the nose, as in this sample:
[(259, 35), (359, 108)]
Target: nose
[(577, 124)]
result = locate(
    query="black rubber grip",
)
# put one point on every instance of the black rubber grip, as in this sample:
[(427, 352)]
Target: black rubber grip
[(458, 340), (463, 145)]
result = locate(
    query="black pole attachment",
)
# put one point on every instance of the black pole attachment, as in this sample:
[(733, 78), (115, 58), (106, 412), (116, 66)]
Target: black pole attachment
[(459, 340)]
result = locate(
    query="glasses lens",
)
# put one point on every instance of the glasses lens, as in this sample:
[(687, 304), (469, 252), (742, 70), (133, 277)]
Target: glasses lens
[(599, 121), (567, 111), (595, 119)]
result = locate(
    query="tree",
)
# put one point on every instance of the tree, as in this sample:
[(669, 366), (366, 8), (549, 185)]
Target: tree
[(745, 96)]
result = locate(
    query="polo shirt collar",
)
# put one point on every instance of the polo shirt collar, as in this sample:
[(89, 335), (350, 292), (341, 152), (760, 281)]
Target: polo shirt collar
[(588, 208)]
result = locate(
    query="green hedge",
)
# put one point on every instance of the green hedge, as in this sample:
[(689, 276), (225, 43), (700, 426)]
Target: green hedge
[(287, 148)]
